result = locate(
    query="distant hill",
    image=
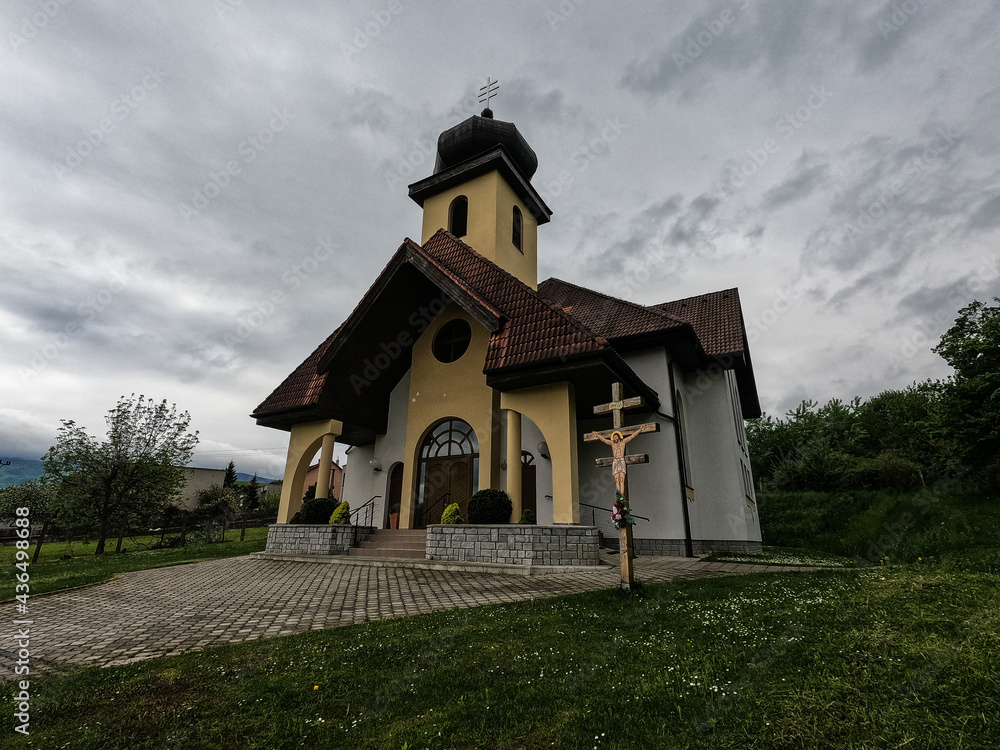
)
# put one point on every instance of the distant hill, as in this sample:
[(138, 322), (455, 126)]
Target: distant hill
[(23, 469), (247, 477), (20, 470)]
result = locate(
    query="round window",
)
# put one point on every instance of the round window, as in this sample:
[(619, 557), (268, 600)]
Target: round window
[(452, 340)]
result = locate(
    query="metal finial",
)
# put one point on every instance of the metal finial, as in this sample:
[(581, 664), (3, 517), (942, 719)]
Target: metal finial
[(488, 91)]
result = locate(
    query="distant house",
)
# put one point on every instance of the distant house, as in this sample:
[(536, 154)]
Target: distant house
[(336, 479), (198, 479)]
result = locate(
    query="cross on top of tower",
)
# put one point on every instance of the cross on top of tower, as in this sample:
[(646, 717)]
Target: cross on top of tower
[(487, 92)]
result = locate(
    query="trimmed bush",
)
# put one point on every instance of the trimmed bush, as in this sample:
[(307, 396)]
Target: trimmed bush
[(342, 514), (452, 514), (490, 506), (527, 517), (316, 510)]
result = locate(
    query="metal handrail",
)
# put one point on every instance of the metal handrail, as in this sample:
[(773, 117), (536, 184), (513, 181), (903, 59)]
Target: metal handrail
[(426, 513), (370, 506)]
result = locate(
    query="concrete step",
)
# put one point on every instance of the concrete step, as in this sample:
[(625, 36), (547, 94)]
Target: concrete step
[(400, 533), (393, 543), (417, 554), (382, 544)]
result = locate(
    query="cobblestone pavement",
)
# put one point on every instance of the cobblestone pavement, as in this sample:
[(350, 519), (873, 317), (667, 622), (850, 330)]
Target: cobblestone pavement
[(150, 613)]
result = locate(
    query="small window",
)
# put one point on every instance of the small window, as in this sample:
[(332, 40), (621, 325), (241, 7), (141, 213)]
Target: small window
[(516, 232), (452, 340), (458, 216)]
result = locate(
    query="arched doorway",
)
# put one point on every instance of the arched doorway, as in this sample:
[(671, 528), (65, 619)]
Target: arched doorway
[(394, 496), (448, 470)]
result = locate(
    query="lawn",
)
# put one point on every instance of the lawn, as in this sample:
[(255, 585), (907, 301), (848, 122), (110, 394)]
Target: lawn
[(52, 572), (879, 658)]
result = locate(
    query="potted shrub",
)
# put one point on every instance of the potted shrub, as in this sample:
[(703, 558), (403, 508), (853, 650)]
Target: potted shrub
[(394, 517), (342, 514), (452, 514)]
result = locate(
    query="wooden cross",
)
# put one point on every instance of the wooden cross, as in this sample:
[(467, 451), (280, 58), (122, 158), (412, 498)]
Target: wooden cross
[(625, 435)]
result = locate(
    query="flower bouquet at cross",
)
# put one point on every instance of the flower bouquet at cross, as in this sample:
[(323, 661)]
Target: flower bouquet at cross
[(620, 514)]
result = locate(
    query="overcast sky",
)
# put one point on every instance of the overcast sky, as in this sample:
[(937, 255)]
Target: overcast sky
[(194, 194)]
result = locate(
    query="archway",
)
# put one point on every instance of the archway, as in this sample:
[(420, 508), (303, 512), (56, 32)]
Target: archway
[(448, 470), (394, 496)]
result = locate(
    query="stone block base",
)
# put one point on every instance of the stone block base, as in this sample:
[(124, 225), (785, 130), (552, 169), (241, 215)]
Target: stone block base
[(312, 539), (513, 544)]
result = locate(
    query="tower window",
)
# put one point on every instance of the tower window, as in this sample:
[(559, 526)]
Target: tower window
[(458, 216), (516, 231)]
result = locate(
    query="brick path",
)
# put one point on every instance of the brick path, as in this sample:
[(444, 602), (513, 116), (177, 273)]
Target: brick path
[(150, 613)]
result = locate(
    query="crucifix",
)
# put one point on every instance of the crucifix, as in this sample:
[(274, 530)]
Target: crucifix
[(618, 437)]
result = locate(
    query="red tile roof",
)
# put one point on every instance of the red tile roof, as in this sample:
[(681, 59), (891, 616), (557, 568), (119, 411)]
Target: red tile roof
[(717, 319), (560, 320), (303, 387), (613, 318), (534, 330)]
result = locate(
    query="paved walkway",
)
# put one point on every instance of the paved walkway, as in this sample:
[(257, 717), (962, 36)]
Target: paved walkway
[(151, 613)]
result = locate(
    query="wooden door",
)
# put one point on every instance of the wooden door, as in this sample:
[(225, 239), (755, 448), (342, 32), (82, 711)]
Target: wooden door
[(528, 501)]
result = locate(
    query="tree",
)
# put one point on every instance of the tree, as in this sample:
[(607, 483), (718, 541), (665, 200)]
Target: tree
[(132, 474), (230, 479), (40, 498), (217, 505), (971, 398)]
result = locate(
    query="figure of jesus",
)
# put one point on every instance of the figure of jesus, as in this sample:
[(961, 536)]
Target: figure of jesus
[(618, 442)]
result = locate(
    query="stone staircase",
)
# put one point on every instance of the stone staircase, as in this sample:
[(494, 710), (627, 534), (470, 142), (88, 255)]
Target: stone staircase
[(393, 543)]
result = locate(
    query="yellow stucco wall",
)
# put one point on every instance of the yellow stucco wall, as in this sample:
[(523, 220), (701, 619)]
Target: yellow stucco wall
[(491, 210), (553, 410), (455, 389)]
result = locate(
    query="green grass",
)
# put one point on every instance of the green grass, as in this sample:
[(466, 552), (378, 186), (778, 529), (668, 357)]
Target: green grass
[(51, 572), (785, 556), (882, 658)]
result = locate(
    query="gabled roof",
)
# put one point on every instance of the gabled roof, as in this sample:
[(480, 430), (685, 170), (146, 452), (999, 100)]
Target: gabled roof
[(560, 332), (717, 319), (714, 319)]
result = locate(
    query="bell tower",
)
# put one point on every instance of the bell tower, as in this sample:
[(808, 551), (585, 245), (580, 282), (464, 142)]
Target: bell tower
[(481, 192)]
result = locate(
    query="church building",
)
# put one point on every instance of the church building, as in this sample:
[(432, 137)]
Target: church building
[(459, 371)]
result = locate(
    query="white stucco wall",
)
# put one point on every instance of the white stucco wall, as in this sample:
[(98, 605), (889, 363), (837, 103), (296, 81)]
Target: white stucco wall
[(361, 482), (718, 459), (654, 488)]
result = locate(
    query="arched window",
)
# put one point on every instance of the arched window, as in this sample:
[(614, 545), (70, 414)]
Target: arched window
[(458, 216), (452, 437), (516, 231), (448, 470)]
